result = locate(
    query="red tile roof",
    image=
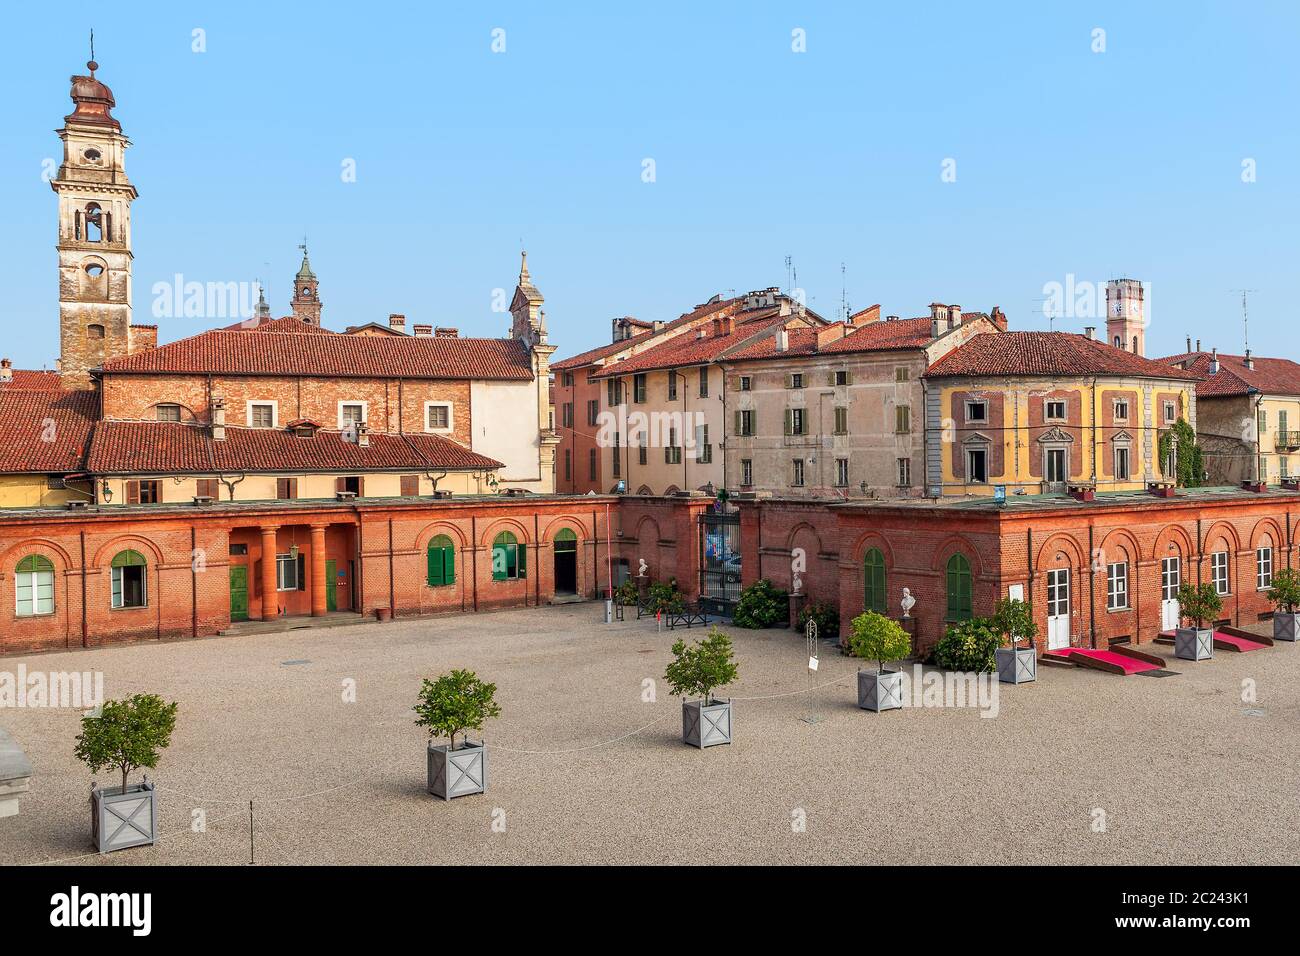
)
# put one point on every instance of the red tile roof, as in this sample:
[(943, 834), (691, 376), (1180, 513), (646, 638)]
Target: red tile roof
[(125, 448), (689, 348), (1046, 353), (604, 351), (32, 378), (879, 336), (1271, 376), (45, 431), (227, 352)]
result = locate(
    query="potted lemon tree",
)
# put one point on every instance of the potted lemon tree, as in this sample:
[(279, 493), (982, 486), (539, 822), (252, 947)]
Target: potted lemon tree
[(701, 668), (125, 735), (1198, 603), (455, 703), (875, 637), (1015, 621), (1285, 595)]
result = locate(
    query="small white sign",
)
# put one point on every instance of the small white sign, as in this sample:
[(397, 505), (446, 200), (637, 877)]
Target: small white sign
[(812, 663)]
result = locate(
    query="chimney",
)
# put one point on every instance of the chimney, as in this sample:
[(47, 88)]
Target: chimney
[(422, 331), (1189, 344), (865, 317), (1198, 345), (363, 435), (6, 370), (1214, 361), (954, 316), (218, 418), (999, 318), (938, 310), (397, 322), (446, 332), (830, 333), (58, 365), (1090, 332), (782, 339), (1250, 362), (936, 327), (658, 325)]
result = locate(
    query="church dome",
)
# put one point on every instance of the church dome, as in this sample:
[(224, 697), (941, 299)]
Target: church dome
[(92, 101)]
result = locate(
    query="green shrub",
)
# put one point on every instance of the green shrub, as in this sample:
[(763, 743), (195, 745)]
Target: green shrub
[(626, 593), (702, 667), (875, 637), (761, 604), (1015, 621), (666, 598), (826, 615), (969, 646), (1199, 603), (456, 702), (1285, 590), (126, 734)]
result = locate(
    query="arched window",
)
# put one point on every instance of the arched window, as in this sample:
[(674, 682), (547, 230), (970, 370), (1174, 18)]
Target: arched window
[(959, 603), (94, 223), (442, 561), (130, 576), (34, 582), (566, 540), (875, 597), (509, 558)]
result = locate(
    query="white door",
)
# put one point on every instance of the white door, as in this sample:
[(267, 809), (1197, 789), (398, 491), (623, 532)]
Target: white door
[(1058, 608), (1171, 575)]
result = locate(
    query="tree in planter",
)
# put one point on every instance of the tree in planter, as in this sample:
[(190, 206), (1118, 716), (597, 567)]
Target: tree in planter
[(969, 646), (126, 734), (702, 667), (1285, 591), (455, 703), (1199, 603), (1015, 621), (761, 604), (875, 637), (825, 614)]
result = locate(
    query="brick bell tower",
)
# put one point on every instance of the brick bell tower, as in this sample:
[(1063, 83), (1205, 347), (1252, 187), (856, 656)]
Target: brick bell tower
[(306, 297), (1126, 315), (94, 233)]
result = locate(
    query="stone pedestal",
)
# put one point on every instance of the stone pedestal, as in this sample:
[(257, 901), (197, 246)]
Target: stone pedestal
[(15, 775), (797, 600)]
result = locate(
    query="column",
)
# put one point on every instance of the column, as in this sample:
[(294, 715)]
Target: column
[(270, 597), (318, 582)]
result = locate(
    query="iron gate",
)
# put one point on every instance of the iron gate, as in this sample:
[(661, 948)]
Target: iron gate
[(719, 561)]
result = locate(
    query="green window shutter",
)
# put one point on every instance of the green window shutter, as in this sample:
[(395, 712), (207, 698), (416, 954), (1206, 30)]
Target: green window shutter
[(875, 598), (959, 588), (848, 378), (448, 565), (433, 572), (789, 421), (501, 549), (830, 377), (117, 587), (738, 431), (523, 560)]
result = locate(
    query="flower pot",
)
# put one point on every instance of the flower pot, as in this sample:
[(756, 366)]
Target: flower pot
[(123, 818), (1285, 626), (384, 613), (706, 725), (1194, 643), (459, 772), (880, 690), (1017, 665)]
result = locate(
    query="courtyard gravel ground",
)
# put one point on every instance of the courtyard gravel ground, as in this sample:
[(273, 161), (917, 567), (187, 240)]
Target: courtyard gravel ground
[(583, 771)]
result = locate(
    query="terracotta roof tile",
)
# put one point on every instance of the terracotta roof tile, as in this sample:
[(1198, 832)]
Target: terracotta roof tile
[(604, 351), (692, 349), (1272, 376), (45, 431), (223, 351), (1046, 353), (33, 379), (124, 448)]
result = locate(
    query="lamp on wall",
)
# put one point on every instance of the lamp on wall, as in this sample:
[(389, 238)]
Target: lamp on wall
[(105, 491)]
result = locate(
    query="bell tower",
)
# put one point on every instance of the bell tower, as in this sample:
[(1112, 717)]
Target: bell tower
[(1126, 320), (306, 297), (94, 233)]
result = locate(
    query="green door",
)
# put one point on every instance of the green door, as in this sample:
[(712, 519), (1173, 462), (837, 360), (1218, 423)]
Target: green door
[(331, 580), (239, 592)]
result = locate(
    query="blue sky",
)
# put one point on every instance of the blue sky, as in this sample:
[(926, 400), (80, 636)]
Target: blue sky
[(1068, 161)]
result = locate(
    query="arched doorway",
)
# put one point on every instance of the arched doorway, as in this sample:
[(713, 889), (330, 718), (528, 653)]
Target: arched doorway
[(566, 561)]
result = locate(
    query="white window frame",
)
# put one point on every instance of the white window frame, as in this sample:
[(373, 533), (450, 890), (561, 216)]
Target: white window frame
[(977, 403), (841, 472), (451, 418), (275, 411), (365, 411), (1171, 412), (33, 581), (1117, 586), (799, 476), (746, 472), (1264, 567), (746, 383), (1115, 409), (1047, 410), (1128, 462), (116, 593), (1217, 578), (282, 561), (983, 450)]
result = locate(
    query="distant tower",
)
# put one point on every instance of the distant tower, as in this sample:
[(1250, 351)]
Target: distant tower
[(526, 309), (1126, 318), (306, 297), (94, 233)]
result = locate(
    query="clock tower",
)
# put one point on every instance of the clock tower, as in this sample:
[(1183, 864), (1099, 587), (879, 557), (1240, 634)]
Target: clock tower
[(1126, 317), (306, 298), (94, 233)]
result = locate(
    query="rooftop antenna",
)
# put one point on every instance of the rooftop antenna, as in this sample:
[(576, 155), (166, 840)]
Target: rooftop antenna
[(844, 294), (1245, 317), (790, 273)]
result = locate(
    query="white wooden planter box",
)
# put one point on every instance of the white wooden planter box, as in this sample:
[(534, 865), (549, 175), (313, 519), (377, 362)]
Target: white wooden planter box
[(1285, 626), (880, 691), (459, 772), (123, 818), (1016, 666), (706, 725), (1194, 644)]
